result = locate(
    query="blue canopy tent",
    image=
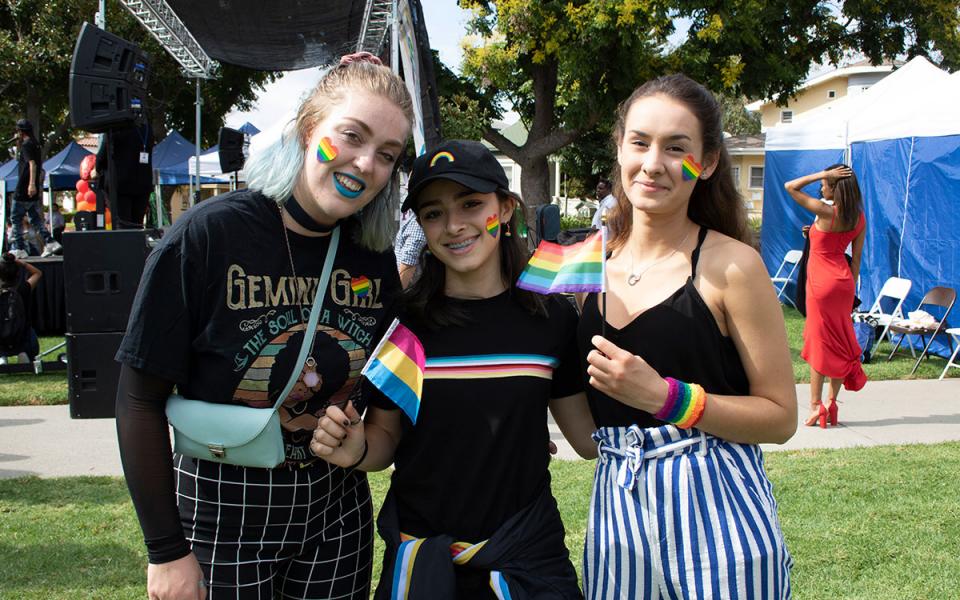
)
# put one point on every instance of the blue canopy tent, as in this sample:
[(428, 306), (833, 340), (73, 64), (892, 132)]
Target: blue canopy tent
[(170, 158), (63, 168), (902, 138)]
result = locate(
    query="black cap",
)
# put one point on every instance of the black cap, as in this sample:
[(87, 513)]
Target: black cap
[(467, 162), (24, 125)]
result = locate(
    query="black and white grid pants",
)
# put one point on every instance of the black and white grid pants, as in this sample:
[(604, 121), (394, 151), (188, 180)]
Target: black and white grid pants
[(277, 533)]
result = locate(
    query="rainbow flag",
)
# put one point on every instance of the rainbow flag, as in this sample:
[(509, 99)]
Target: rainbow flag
[(396, 368), (577, 268)]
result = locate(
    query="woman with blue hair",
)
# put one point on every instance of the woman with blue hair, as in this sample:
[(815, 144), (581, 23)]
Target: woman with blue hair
[(221, 313)]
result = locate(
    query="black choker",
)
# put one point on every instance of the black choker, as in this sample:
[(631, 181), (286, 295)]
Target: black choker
[(304, 220)]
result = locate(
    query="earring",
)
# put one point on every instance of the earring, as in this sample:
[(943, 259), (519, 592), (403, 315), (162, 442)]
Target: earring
[(506, 229)]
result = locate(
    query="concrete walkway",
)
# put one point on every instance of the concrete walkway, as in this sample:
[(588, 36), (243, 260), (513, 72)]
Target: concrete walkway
[(44, 441)]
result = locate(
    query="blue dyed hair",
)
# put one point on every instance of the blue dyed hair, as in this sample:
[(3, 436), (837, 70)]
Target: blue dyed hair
[(275, 170)]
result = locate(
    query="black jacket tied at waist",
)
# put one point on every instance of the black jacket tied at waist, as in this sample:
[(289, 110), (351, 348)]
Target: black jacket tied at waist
[(526, 557)]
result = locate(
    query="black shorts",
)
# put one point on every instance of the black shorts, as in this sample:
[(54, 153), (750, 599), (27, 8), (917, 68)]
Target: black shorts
[(277, 533)]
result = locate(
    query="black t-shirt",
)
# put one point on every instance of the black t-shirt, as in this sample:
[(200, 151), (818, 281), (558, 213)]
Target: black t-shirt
[(29, 150), (478, 453), (217, 312)]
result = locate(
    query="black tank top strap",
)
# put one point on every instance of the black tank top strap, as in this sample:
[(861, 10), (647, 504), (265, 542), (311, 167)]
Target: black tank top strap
[(696, 252)]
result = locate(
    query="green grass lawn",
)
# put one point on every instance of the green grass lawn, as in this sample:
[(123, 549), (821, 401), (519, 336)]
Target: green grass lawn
[(27, 389), (869, 523)]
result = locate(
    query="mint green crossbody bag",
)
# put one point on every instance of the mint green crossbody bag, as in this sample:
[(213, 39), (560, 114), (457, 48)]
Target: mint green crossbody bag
[(242, 435)]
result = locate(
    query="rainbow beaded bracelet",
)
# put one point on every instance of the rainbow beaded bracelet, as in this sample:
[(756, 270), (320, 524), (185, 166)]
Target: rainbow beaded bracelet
[(684, 405)]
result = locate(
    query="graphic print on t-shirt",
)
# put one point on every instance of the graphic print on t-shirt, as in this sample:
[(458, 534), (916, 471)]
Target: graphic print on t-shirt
[(490, 366), (273, 338)]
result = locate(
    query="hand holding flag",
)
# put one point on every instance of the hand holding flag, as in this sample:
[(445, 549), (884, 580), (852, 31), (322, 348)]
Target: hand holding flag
[(396, 368)]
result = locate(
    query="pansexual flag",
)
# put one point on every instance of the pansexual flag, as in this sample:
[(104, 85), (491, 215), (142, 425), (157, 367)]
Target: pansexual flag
[(577, 268), (396, 368)]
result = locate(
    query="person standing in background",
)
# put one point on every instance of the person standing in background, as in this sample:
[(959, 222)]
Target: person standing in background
[(408, 247), (605, 200), (26, 199), (829, 343), (130, 150)]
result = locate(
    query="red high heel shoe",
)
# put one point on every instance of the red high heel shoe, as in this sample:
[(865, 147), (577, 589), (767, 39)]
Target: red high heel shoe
[(820, 414), (832, 412)]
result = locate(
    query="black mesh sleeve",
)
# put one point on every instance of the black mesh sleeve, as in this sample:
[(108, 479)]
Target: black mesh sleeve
[(147, 462)]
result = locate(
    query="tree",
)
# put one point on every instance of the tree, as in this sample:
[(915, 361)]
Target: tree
[(737, 120), (563, 65), (36, 46)]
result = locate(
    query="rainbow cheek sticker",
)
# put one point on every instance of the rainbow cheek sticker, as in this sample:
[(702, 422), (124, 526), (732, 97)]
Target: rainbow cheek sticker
[(326, 151), (493, 225), (691, 169), (360, 286)]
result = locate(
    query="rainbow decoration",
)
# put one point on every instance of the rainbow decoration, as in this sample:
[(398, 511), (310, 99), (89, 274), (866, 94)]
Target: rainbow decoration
[(499, 586), (493, 225), (326, 151), (576, 268), (396, 368), (691, 169), (445, 155), (490, 366), (360, 286), (403, 568)]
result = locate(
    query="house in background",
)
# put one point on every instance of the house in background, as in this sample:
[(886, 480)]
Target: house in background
[(746, 157), (812, 99)]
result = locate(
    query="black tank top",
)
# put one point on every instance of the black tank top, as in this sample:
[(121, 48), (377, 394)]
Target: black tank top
[(678, 337)]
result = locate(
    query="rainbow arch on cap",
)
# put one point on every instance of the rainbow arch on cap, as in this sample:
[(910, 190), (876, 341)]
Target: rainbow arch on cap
[(445, 155)]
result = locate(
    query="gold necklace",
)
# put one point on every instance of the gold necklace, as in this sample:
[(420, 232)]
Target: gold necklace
[(634, 276)]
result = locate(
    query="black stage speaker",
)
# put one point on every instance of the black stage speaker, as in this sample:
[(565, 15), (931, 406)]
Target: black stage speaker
[(101, 272), (231, 145), (108, 80), (92, 374)]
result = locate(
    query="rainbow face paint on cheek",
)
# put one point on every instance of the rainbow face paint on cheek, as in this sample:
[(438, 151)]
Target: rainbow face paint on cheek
[(493, 225), (690, 169), (326, 151)]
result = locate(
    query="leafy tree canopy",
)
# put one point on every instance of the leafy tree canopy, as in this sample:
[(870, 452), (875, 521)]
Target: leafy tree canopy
[(563, 65), (37, 38)]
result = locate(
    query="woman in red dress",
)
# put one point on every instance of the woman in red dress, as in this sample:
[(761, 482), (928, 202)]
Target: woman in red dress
[(829, 344)]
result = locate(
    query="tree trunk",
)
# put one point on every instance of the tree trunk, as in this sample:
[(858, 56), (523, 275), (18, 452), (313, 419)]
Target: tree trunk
[(535, 189)]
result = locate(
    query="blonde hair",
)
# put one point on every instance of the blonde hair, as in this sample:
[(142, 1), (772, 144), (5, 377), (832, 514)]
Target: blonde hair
[(275, 170)]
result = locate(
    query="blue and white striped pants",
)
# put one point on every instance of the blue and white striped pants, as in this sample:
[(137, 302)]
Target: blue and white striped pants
[(681, 514)]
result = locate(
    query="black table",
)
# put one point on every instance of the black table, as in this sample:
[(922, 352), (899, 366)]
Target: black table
[(49, 308)]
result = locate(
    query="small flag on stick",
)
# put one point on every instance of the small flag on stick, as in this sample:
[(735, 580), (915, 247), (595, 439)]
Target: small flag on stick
[(576, 268), (396, 368)]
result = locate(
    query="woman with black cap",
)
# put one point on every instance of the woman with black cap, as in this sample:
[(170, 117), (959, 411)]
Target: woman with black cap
[(470, 513)]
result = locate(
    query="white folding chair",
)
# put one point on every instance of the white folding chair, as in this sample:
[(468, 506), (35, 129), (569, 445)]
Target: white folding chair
[(792, 257), (897, 289), (953, 332)]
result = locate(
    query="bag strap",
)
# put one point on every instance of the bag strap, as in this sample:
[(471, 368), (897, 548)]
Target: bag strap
[(314, 317)]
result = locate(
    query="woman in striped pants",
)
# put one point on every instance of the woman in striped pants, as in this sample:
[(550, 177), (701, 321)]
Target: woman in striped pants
[(688, 370)]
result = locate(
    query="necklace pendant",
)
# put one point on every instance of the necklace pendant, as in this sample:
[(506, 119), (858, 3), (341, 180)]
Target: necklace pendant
[(633, 279)]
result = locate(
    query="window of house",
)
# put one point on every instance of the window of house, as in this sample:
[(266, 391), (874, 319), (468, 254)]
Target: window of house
[(786, 116), (831, 94), (736, 177), (756, 177)]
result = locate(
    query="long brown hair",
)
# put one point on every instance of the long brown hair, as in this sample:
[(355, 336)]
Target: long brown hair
[(847, 198), (427, 300), (715, 202)]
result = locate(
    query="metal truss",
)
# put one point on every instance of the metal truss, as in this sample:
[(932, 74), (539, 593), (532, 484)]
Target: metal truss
[(376, 26), (160, 20)]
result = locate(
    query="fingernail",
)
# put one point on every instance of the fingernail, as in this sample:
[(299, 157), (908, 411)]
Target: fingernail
[(346, 422)]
